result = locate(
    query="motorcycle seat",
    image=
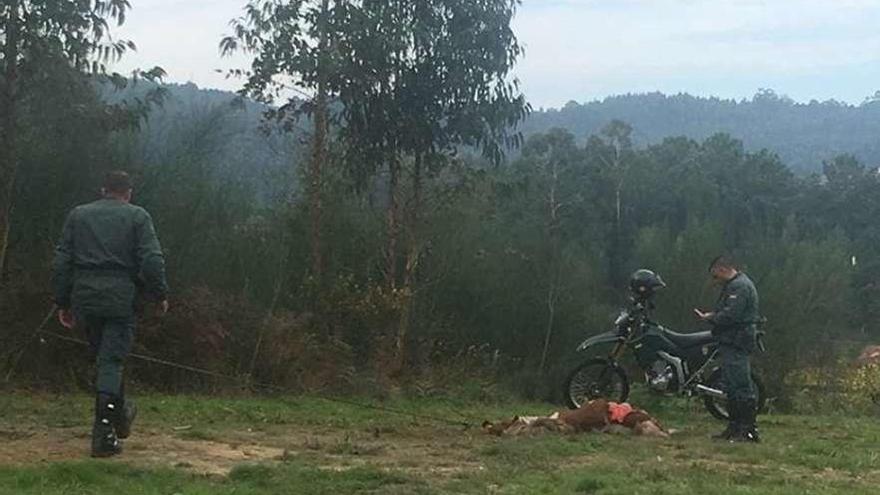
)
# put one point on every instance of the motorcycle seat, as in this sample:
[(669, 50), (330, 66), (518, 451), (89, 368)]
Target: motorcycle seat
[(689, 339)]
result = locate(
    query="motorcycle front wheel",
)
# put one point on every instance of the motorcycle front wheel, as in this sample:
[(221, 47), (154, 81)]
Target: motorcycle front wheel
[(718, 407), (596, 379)]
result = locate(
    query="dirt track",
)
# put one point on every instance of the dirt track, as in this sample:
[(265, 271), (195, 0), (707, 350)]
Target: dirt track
[(333, 450), (23, 447)]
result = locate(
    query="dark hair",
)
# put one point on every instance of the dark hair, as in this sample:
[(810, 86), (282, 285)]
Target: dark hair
[(117, 182), (724, 260)]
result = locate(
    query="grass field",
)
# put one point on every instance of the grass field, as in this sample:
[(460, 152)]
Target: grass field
[(200, 445)]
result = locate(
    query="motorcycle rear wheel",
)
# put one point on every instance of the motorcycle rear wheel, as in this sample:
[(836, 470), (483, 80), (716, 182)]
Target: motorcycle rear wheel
[(595, 379), (718, 407)]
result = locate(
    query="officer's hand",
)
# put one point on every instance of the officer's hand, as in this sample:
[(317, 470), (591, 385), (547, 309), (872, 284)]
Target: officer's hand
[(66, 318), (163, 307), (703, 316)]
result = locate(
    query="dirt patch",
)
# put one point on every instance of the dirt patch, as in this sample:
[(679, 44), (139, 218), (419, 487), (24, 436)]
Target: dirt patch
[(413, 451), (200, 456), (151, 448), (29, 446)]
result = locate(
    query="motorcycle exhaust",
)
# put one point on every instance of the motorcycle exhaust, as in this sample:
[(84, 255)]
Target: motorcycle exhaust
[(712, 392)]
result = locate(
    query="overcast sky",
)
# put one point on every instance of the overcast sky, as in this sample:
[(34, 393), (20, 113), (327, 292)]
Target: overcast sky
[(588, 49)]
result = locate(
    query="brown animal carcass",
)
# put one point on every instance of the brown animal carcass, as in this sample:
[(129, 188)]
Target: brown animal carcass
[(869, 355)]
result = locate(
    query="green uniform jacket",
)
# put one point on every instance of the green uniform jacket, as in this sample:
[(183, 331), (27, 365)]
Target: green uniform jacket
[(108, 251), (736, 313)]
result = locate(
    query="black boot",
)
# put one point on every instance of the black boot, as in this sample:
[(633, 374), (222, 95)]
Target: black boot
[(127, 413), (104, 441), (748, 427), (732, 422), (125, 419)]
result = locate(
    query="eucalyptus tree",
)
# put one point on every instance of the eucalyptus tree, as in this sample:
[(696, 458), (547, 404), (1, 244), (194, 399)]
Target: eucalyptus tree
[(42, 36)]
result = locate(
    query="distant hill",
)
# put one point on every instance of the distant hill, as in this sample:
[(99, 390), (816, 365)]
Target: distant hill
[(216, 130), (803, 135), (208, 121)]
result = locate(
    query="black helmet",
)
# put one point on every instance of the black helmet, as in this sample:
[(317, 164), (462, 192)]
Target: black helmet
[(644, 282)]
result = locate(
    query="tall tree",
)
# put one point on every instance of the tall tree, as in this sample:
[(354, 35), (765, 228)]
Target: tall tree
[(412, 82), (34, 31), (293, 43), (557, 161), (615, 154), (425, 79)]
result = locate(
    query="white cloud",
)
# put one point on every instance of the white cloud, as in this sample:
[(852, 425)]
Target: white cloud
[(588, 48), (183, 37), (580, 49)]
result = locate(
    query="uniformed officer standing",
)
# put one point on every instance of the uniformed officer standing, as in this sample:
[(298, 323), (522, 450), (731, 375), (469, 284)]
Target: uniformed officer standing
[(733, 323), (108, 253)]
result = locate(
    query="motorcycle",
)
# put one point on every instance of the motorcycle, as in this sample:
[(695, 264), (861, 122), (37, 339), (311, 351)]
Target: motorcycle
[(684, 364)]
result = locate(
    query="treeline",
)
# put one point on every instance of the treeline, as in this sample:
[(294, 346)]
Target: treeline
[(346, 242), (533, 253), (804, 135)]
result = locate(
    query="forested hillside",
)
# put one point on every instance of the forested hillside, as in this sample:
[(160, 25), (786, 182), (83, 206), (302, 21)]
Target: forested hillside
[(803, 134)]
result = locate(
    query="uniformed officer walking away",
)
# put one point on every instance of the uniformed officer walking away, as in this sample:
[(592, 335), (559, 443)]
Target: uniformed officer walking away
[(108, 254), (734, 321)]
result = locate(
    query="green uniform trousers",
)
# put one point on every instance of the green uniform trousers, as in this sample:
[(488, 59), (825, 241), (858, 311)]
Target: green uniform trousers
[(110, 340), (736, 371)]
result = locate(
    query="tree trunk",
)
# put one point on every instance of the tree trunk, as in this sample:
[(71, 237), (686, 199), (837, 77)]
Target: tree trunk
[(555, 261), (412, 258), (551, 316), (618, 207), (616, 259), (315, 178), (319, 151), (393, 221), (616, 255), (279, 284), (8, 151)]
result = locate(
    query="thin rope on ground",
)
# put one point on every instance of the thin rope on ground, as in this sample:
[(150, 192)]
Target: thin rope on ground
[(27, 344), (270, 386)]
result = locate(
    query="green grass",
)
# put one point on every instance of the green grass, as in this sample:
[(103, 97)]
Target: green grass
[(92, 477), (325, 447)]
